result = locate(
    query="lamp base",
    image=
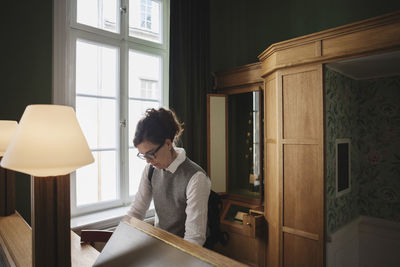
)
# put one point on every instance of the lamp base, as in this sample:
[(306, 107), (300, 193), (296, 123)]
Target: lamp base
[(7, 192), (51, 225)]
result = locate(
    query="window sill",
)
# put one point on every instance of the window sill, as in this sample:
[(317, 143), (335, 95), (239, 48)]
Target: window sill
[(104, 220)]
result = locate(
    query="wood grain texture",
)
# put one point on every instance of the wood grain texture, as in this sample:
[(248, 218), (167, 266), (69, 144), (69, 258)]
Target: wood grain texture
[(239, 76), (197, 251), (302, 251), (7, 191), (51, 239), (300, 88), (367, 37), (294, 187), (271, 191), (16, 239)]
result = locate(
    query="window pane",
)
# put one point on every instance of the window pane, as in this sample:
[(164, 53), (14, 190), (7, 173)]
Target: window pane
[(136, 167), (97, 68), (145, 20), (98, 119), (102, 14), (144, 75), (98, 181)]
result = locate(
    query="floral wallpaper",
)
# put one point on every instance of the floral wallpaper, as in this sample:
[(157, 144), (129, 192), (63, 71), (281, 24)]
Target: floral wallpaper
[(368, 113)]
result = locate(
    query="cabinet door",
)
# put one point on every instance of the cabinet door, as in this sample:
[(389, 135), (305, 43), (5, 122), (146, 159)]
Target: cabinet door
[(294, 202), (217, 141)]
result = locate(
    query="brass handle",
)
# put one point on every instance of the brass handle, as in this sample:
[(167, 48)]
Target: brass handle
[(249, 224)]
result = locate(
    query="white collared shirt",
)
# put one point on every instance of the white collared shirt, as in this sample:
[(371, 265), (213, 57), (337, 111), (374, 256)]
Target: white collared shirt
[(197, 193)]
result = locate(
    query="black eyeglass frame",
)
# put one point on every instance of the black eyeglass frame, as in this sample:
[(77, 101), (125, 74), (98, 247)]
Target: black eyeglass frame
[(149, 155)]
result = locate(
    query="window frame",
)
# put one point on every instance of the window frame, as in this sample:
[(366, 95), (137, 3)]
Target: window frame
[(66, 32)]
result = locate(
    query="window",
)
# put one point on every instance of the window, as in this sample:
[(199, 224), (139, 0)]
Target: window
[(343, 177), (116, 68)]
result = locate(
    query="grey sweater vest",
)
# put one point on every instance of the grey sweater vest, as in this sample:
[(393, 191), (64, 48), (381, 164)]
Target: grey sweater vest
[(169, 195)]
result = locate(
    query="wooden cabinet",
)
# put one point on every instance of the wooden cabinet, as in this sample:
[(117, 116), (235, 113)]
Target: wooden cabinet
[(246, 234), (294, 133), (235, 160)]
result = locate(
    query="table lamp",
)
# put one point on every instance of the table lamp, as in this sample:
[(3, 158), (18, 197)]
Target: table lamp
[(48, 145), (7, 189)]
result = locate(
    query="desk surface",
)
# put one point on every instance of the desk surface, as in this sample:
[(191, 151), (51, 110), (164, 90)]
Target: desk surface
[(16, 243), (136, 243)]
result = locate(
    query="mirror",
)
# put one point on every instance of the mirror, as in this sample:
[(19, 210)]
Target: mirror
[(235, 144)]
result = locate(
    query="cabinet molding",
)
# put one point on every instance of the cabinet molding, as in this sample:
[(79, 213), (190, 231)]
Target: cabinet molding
[(366, 37)]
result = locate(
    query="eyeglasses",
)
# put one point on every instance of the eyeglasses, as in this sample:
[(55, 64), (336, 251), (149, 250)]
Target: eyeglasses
[(149, 155)]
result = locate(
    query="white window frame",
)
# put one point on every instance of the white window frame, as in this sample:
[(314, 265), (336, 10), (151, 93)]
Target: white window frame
[(65, 33)]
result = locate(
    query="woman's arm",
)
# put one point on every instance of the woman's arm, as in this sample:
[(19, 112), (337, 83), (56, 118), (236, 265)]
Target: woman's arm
[(143, 197), (197, 193)]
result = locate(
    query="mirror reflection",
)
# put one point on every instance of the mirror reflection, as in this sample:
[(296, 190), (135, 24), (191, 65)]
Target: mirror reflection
[(244, 150)]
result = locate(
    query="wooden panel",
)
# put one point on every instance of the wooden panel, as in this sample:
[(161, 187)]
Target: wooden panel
[(239, 76), (17, 238), (378, 34), (363, 41), (51, 237), (7, 191), (299, 52), (271, 159), (301, 91), (303, 252), (303, 186), (270, 117), (250, 251), (271, 205)]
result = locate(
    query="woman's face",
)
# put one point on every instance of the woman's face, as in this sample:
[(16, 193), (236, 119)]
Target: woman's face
[(159, 155)]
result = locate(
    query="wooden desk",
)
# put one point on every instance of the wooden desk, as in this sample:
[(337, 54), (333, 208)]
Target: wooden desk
[(16, 243), (136, 243)]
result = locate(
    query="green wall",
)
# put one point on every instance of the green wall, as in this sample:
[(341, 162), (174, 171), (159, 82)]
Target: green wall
[(241, 30), (26, 69), (367, 112)]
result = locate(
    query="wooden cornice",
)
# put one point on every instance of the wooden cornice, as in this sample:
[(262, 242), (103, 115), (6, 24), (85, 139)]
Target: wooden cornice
[(366, 37), (239, 76)]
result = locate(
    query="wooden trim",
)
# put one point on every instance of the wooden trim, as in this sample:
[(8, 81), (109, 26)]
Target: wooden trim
[(279, 86), (226, 145), (301, 141), (16, 241), (208, 135), (7, 191), (293, 231), (51, 219), (371, 36), (242, 89), (239, 76), (197, 251)]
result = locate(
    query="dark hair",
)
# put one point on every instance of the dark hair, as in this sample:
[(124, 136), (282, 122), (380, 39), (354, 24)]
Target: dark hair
[(156, 126)]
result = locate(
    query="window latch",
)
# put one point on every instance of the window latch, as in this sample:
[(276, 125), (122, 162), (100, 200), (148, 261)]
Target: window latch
[(122, 123), (122, 9)]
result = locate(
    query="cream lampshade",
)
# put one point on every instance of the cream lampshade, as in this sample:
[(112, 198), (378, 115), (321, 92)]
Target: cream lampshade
[(49, 144), (7, 183), (7, 130)]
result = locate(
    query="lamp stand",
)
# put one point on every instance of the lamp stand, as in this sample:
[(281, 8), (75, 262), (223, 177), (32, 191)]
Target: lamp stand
[(7, 192), (51, 226)]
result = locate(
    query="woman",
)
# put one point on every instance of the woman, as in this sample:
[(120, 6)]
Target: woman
[(178, 186)]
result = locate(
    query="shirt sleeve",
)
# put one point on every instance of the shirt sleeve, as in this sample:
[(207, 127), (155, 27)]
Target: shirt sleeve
[(197, 193), (143, 197)]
